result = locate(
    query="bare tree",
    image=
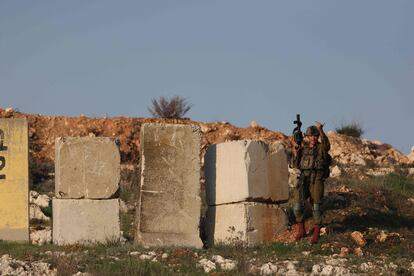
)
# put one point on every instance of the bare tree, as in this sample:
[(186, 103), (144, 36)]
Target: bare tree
[(176, 107)]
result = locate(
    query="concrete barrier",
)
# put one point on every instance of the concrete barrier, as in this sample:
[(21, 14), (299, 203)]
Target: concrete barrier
[(86, 167), (85, 221), (168, 211), (248, 223), (240, 171), (14, 180)]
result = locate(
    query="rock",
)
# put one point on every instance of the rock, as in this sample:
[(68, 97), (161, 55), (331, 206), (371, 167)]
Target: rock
[(10, 266), (164, 256), (246, 170), (364, 267), (380, 171), (316, 269), (358, 252), (14, 180), (253, 124), (358, 160), (42, 201), (225, 264), (32, 196), (205, 128), (245, 223), (41, 237), (344, 189), (294, 177), (290, 266), (86, 167), (207, 265), (170, 203), (411, 200), (344, 252), (358, 238), (268, 269), (335, 172), (146, 257), (411, 171), (382, 237), (134, 253), (327, 270), (9, 110), (85, 221), (36, 213)]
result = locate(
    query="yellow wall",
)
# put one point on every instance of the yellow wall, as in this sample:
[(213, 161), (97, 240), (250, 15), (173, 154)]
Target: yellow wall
[(14, 188)]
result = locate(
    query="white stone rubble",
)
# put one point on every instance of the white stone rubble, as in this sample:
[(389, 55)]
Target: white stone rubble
[(268, 269), (207, 265), (10, 266), (41, 237), (36, 213)]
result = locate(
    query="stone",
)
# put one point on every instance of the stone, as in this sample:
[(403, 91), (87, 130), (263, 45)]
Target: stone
[(36, 213), (85, 221), (41, 237), (169, 205), (358, 238), (336, 172), (86, 167), (268, 269), (207, 265), (246, 223), (225, 264), (14, 180), (239, 171), (39, 200)]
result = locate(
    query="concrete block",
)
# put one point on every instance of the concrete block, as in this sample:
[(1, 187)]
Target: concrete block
[(239, 171), (85, 221), (86, 167), (247, 222), (169, 205), (14, 180)]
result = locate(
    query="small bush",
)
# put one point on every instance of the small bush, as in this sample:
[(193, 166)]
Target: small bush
[(176, 107), (353, 129)]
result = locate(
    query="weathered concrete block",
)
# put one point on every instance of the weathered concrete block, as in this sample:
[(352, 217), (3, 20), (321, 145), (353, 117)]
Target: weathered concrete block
[(246, 170), (85, 221), (86, 167), (169, 206), (247, 222), (14, 180)]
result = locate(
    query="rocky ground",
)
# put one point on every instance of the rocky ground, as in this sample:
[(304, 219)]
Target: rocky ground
[(368, 229)]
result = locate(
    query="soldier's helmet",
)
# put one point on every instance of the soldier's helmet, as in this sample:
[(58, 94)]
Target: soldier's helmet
[(312, 131)]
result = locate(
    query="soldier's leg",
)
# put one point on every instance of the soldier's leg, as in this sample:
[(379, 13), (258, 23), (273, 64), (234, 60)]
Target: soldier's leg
[(298, 204), (317, 190)]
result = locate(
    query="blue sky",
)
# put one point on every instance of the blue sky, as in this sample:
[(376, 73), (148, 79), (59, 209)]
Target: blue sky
[(235, 60)]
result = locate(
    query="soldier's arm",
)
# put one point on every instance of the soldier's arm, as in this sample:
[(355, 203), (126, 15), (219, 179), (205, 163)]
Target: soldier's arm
[(326, 145)]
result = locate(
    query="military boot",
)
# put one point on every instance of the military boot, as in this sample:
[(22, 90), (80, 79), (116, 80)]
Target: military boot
[(300, 231), (316, 232)]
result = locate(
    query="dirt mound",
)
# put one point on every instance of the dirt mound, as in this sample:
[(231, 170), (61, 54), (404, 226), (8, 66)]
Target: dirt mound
[(43, 130)]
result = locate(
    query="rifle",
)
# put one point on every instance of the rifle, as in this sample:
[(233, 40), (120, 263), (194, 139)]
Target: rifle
[(298, 138), (297, 132)]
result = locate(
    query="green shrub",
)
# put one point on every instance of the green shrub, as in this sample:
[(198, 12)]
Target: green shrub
[(353, 129), (176, 107)]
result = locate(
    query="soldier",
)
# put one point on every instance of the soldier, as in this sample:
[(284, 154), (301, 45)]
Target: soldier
[(313, 160)]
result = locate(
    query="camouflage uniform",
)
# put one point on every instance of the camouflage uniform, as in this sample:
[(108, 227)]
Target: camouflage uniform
[(311, 161)]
